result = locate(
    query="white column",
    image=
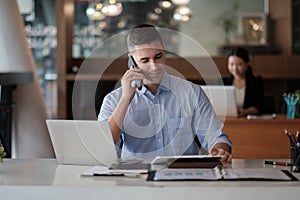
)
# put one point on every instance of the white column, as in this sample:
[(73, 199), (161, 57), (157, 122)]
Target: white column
[(30, 136)]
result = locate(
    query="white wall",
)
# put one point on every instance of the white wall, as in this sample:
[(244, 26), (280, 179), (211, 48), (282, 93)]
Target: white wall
[(202, 27)]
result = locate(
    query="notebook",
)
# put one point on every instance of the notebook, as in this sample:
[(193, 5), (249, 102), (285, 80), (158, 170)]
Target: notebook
[(221, 173), (222, 99), (83, 142)]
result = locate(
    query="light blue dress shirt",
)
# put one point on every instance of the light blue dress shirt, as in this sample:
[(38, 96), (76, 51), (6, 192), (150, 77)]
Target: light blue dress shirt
[(166, 123)]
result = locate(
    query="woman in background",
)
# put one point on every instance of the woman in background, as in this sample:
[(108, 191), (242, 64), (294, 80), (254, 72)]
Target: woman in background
[(248, 88)]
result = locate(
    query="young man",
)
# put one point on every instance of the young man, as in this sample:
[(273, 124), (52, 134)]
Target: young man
[(167, 113)]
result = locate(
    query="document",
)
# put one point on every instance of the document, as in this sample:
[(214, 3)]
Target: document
[(220, 173)]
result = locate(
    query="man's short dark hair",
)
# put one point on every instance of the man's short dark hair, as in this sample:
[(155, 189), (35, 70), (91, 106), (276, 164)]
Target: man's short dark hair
[(142, 34)]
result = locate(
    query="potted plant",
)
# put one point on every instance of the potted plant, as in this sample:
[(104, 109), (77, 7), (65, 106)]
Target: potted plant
[(2, 152), (228, 21)]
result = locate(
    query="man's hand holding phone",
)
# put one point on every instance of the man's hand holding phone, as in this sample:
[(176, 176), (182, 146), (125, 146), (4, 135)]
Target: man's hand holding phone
[(133, 64), (130, 76)]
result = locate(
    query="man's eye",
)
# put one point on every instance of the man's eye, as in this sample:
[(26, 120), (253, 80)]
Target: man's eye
[(158, 56), (144, 60)]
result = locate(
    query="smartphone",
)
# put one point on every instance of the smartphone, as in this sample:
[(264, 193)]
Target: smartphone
[(131, 62)]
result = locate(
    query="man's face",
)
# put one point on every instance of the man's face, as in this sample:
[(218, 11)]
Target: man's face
[(151, 59)]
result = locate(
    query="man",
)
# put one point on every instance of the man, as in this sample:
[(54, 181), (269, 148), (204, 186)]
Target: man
[(166, 115)]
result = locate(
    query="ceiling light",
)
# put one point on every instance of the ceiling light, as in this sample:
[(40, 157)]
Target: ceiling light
[(182, 13), (165, 4), (98, 15), (157, 10), (180, 2), (112, 8), (93, 11), (90, 10), (183, 10), (153, 16)]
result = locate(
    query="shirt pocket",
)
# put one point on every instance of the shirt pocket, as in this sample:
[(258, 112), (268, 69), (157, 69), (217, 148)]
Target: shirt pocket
[(179, 134)]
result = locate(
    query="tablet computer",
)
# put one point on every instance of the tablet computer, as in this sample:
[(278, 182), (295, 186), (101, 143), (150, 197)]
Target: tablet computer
[(167, 160)]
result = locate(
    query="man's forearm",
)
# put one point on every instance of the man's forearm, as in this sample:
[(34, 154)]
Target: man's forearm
[(117, 118)]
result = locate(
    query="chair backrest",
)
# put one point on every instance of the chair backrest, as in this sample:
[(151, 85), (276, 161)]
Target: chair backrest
[(103, 88), (269, 104)]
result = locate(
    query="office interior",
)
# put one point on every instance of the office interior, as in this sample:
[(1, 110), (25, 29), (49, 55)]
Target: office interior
[(62, 36), (62, 78)]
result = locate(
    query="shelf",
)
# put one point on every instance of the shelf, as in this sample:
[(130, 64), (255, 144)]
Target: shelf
[(92, 77), (268, 66), (252, 49)]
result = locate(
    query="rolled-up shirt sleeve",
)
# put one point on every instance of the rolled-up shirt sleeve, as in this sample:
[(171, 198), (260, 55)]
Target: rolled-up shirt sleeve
[(109, 104)]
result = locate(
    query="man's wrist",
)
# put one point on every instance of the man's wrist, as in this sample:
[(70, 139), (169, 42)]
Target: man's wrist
[(223, 146)]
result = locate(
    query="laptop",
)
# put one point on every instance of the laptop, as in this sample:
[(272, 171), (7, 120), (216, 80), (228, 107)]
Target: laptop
[(222, 99), (84, 142)]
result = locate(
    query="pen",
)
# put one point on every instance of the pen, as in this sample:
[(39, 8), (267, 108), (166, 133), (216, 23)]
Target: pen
[(120, 174), (269, 162), (291, 137), (298, 137), (114, 174)]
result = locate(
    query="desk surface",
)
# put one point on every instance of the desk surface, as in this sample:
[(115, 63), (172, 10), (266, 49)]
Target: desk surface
[(44, 179)]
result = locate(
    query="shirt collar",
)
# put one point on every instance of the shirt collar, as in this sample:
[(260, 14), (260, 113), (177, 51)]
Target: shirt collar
[(165, 82)]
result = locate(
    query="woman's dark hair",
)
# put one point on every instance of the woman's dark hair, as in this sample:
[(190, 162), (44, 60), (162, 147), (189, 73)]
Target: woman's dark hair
[(239, 52), (244, 55)]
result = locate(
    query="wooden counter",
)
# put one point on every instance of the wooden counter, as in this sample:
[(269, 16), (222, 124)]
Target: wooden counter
[(260, 138)]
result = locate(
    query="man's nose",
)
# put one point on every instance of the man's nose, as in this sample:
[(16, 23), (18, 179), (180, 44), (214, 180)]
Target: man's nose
[(153, 65)]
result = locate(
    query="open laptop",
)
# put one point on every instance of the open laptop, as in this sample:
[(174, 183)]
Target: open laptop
[(84, 142), (222, 99)]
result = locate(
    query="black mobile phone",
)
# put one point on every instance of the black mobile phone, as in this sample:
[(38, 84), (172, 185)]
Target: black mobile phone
[(131, 62)]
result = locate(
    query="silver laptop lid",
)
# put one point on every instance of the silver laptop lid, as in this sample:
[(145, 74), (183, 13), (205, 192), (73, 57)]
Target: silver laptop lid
[(222, 99), (80, 142)]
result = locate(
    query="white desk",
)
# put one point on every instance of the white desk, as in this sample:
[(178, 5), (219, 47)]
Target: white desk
[(44, 179)]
